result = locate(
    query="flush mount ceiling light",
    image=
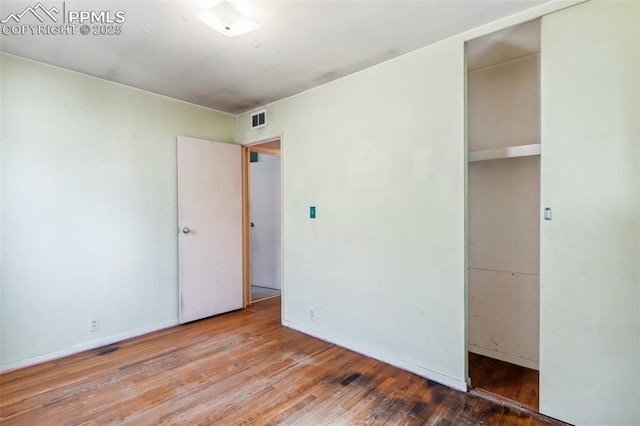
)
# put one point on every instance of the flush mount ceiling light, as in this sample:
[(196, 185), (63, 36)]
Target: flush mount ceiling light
[(225, 19)]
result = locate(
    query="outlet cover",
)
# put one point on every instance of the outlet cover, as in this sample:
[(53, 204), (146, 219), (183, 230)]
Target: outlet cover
[(95, 324)]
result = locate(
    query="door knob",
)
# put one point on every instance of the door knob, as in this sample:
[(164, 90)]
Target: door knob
[(186, 230)]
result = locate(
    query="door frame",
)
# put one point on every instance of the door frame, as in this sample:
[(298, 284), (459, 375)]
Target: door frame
[(270, 146)]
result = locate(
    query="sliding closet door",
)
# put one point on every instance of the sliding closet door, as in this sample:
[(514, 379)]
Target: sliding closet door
[(590, 255)]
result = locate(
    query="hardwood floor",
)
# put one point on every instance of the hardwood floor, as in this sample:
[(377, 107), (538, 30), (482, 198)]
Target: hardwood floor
[(238, 368), (507, 380)]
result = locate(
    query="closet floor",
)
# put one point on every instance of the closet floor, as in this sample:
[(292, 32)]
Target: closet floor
[(506, 380)]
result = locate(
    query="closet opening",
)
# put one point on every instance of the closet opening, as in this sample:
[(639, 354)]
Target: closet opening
[(503, 213)]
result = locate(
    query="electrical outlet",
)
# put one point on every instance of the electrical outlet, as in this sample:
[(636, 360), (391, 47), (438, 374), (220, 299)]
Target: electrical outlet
[(95, 324), (312, 314)]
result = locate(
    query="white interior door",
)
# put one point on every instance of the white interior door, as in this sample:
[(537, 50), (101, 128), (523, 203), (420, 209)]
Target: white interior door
[(266, 235), (210, 228)]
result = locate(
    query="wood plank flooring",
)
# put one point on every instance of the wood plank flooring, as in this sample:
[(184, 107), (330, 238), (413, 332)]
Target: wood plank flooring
[(240, 368), (504, 379)]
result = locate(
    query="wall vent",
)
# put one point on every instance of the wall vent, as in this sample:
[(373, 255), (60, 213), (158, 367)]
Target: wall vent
[(259, 119)]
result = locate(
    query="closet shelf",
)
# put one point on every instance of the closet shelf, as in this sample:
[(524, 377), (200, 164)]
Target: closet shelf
[(509, 152)]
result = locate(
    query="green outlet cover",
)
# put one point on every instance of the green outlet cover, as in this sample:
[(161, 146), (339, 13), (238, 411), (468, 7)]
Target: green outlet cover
[(312, 212)]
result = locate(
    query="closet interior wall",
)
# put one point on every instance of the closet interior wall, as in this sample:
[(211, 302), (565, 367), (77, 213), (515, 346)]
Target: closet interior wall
[(503, 101)]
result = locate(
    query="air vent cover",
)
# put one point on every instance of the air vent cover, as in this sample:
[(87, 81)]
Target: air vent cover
[(259, 119)]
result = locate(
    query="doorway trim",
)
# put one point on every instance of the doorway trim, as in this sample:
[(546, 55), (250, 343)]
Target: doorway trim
[(271, 146)]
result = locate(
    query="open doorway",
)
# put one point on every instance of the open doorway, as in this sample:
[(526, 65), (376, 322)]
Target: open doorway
[(263, 233), (503, 213)]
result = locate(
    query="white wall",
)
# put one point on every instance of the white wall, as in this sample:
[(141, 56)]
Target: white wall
[(266, 235), (590, 256), (504, 208), (89, 211), (381, 155), (267, 157)]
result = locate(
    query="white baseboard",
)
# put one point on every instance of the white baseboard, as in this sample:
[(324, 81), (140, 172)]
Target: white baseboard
[(85, 346), (504, 357), (384, 357)]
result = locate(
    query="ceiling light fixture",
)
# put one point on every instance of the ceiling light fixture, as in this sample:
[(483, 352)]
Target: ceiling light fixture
[(225, 19)]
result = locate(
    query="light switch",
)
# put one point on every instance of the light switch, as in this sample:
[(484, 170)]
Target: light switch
[(547, 213), (312, 212)]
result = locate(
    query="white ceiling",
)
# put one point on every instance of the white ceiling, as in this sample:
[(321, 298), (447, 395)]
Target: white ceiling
[(165, 49)]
